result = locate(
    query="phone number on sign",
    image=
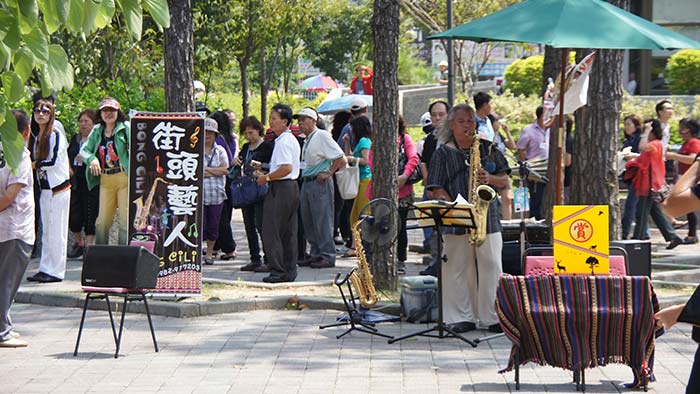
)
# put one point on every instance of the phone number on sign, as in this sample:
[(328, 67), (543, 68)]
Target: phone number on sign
[(180, 268)]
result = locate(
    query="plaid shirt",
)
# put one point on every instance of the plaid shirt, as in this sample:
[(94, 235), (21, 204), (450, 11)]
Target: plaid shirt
[(214, 187), (449, 170)]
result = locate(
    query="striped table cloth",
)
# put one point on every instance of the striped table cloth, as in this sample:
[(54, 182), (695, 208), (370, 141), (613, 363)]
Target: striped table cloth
[(578, 322)]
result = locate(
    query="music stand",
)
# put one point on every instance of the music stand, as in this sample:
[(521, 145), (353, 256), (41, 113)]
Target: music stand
[(438, 212)]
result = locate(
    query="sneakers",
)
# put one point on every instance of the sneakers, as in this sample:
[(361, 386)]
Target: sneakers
[(75, 251), (401, 268), (13, 343), (338, 240), (208, 261)]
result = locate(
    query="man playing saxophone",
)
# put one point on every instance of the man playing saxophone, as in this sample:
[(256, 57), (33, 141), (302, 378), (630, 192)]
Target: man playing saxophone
[(469, 292)]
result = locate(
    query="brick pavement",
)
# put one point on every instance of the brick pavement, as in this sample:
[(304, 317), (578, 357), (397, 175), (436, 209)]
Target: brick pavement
[(272, 351), (284, 352)]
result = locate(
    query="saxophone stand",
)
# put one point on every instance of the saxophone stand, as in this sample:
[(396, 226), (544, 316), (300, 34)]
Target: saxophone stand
[(356, 316), (437, 215)]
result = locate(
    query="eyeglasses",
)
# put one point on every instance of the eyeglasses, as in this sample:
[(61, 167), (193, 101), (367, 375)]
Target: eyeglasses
[(42, 111)]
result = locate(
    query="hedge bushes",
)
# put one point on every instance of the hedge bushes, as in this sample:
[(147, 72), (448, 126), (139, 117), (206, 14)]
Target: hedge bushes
[(684, 71), (524, 76)]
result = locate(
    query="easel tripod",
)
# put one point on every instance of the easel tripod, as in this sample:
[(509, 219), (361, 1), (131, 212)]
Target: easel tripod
[(438, 214)]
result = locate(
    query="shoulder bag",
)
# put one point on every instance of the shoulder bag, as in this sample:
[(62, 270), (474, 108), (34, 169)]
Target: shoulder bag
[(348, 181), (416, 176)]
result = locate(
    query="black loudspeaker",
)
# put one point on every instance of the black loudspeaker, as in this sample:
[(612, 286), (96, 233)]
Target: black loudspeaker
[(537, 233), (510, 258), (120, 266), (638, 254)]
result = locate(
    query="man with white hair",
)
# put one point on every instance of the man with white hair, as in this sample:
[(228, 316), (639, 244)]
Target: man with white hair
[(321, 157)]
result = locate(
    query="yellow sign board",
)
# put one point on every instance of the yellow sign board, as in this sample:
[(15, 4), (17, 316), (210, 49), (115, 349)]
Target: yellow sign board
[(581, 239)]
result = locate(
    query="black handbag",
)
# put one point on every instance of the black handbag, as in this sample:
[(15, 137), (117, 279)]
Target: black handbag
[(416, 176), (245, 191)]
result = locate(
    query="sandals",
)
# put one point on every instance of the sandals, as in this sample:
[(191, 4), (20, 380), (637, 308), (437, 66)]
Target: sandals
[(350, 253)]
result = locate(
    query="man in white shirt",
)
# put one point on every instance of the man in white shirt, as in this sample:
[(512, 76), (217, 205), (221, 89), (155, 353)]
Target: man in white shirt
[(664, 111), (321, 157), (16, 231), (279, 229)]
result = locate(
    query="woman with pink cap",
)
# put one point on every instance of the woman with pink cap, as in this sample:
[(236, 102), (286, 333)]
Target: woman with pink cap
[(106, 154)]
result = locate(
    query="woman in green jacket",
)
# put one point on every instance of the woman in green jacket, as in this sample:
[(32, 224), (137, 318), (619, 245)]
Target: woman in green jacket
[(107, 154)]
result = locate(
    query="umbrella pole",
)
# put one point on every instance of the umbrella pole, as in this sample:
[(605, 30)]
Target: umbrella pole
[(560, 135)]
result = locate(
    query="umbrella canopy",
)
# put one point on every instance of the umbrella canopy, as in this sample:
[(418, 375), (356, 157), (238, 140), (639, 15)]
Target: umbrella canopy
[(332, 106), (569, 24), (318, 82)]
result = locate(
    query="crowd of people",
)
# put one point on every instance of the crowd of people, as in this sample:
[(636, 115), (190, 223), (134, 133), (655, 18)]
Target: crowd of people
[(81, 184), (650, 162)]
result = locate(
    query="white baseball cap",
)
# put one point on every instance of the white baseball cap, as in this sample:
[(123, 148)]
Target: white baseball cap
[(307, 112), (426, 120)]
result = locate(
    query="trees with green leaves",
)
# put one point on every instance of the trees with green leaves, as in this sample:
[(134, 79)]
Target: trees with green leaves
[(26, 29), (430, 15), (343, 40)]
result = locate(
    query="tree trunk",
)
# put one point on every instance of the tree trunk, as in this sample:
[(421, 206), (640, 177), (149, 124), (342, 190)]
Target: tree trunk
[(552, 66), (594, 165), (385, 25), (263, 88), (552, 69), (243, 65), (179, 52)]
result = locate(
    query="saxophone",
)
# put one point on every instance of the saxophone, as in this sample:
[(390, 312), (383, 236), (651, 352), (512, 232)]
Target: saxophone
[(362, 282), (143, 209), (479, 195)]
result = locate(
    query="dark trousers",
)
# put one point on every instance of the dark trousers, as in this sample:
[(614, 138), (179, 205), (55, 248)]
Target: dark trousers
[(225, 241), (694, 380), (692, 223), (536, 194), (212, 218), (645, 207), (84, 205), (344, 222), (252, 220), (630, 211), (279, 229), (402, 242)]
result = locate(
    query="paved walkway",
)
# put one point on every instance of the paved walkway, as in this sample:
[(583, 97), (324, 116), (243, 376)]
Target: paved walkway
[(285, 352), (280, 351)]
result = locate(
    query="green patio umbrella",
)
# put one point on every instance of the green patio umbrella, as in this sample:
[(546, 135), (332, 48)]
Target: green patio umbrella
[(569, 24)]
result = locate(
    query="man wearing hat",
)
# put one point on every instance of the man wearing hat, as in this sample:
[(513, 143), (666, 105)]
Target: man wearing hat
[(442, 76), (321, 157), (213, 187)]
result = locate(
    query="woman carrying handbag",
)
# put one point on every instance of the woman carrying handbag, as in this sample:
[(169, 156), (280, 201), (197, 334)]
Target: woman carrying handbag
[(649, 180)]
